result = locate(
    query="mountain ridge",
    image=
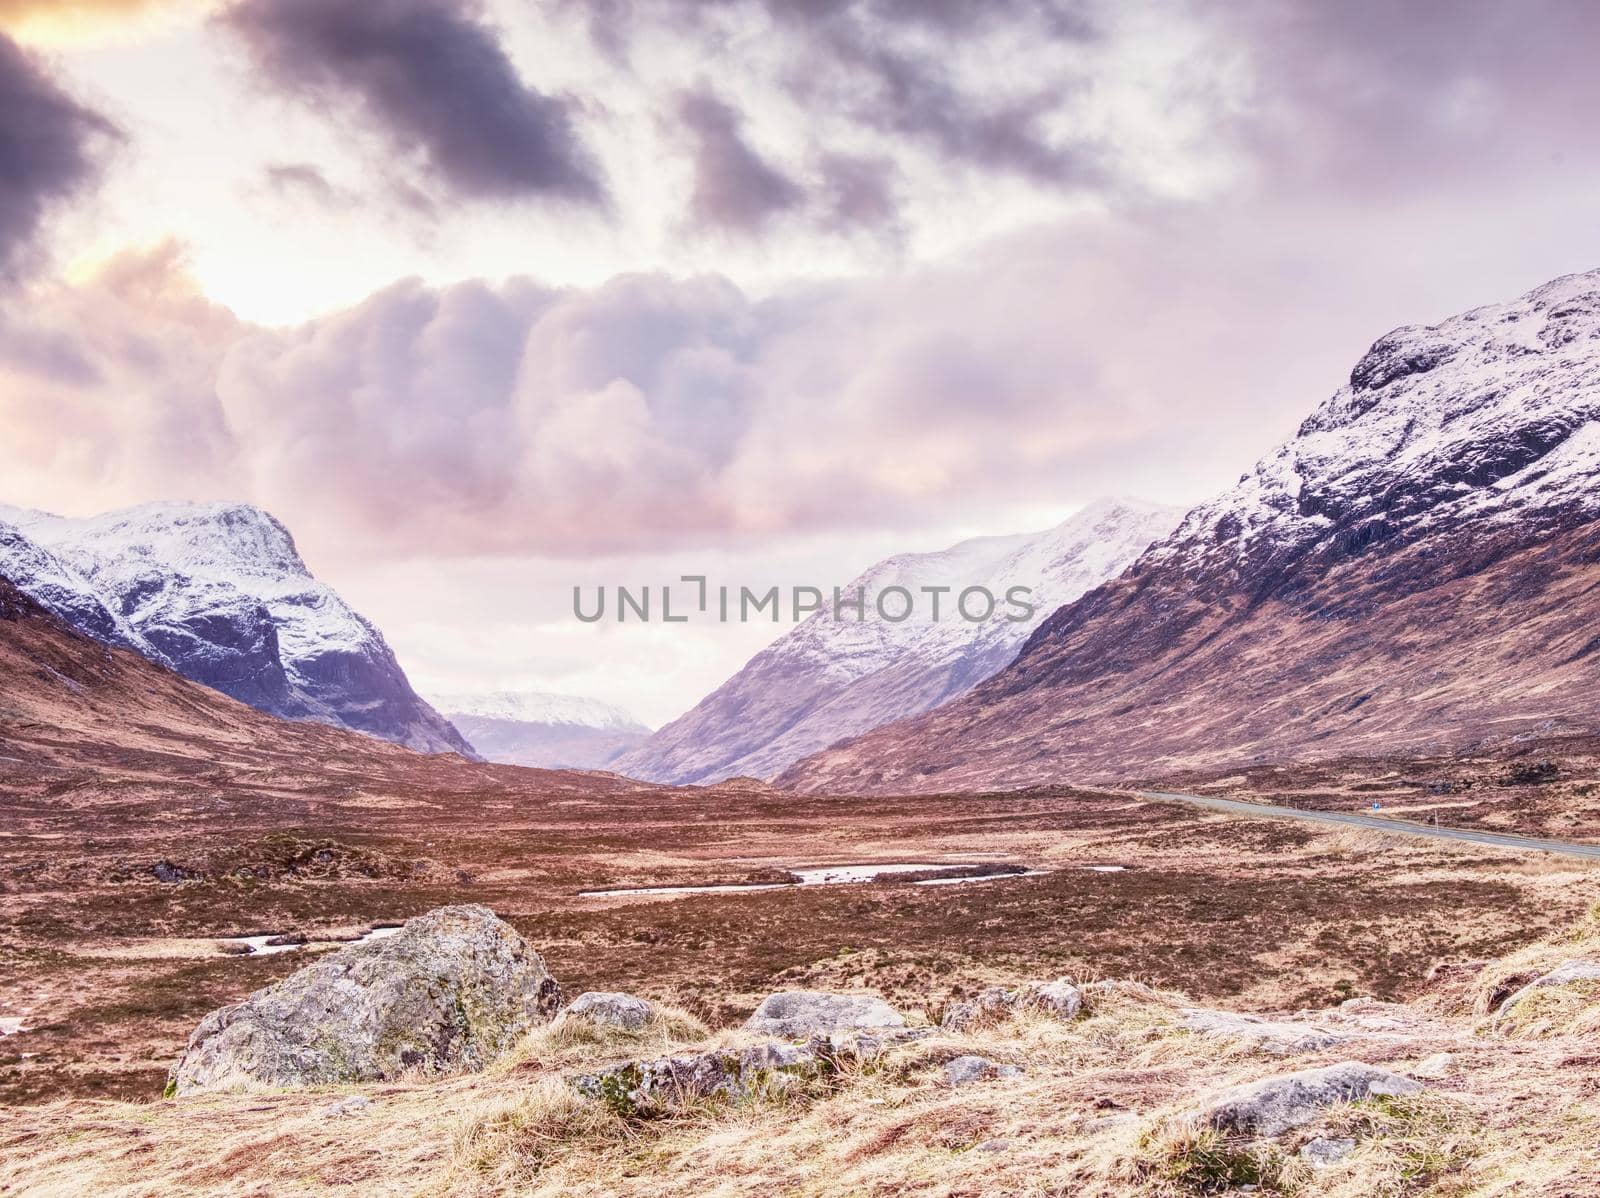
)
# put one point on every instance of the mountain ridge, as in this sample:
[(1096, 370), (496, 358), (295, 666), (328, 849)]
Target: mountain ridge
[(219, 593), (1416, 568), (828, 679)]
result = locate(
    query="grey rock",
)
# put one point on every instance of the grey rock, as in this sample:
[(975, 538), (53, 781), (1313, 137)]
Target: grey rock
[(1106, 1123), (605, 1008), (1326, 1150), (988, 1005), (963, 1071), (797, 1013), (1059, 998), (1438, 1065), (650, 1087), (448, 992), (1274, 1105), (356, 1104), (1277, 1038), (1565, 974)]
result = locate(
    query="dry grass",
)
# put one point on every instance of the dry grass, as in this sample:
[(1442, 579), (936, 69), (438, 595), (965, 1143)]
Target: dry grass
[(572, 1043), (1102, 1109), (1570, 1009)]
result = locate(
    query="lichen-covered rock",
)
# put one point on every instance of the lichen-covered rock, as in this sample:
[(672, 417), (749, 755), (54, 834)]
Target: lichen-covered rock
[(1275, 1105), (647, 1088), (652, 1087), (1060, 999), (963, 1071), (989, 1004), (1566, 974), (798, 1013), (605, 1008), (1270, 1036), (448, 992), (1323, 1151)]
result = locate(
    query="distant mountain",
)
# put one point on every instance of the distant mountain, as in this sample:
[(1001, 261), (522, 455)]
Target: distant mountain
[(1418, 568), (829, 679), (543, 730), (219, 593)]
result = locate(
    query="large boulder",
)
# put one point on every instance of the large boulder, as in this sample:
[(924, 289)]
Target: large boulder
[(448, 992), (1278, 1104), (800, 1013)]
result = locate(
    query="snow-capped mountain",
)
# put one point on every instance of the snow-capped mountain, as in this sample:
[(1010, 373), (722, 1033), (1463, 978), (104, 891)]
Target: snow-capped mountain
[(1415, 568), (831, 678), (219, 593), (544, 730)]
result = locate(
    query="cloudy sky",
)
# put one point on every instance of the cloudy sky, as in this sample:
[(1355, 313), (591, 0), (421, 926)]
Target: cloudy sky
[(490, 298)]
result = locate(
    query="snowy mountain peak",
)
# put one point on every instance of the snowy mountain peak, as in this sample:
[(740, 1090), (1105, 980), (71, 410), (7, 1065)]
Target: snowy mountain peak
[(222, 541), (539, 707), (831, 678), (1494, 413), (218, 592)]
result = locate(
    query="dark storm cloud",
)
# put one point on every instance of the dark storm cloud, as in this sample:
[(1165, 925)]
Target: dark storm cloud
[(48, 145), (734, 187), (432, 75)]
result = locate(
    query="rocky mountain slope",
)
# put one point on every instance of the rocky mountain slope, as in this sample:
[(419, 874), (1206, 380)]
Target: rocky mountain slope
[(219, 593), (1416, 568), (543, 730), (833, 678)]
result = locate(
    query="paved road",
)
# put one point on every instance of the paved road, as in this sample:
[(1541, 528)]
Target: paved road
[(1565, 848)]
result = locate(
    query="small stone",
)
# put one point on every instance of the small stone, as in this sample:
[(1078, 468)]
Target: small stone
[(963, 1071), (604, 1008), (1438, 1065), (1326, 1150), (994, 1002), (356, 1104), (1059, 998), (994, 1146), (797, 1013), (1105, 1123)]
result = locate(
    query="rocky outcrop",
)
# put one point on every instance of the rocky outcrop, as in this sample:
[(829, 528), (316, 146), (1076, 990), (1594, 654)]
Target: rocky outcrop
[(1278, 1104), (604, 1008), (449, 992), (798, 1013), (1433, 529)]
